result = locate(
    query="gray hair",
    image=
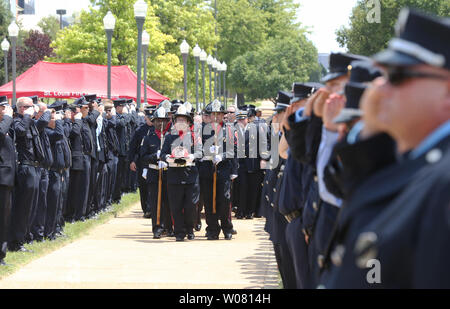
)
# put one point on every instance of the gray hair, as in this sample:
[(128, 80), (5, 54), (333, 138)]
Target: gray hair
[(22, 101)]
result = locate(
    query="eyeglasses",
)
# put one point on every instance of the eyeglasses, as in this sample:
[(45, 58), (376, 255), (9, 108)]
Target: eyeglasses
[(398, 75)]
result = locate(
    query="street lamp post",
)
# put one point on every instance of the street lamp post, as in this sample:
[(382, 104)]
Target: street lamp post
[(140, 12), (196, 51), (145, 43), (5, 48), (13, 31), (224, 69), (210, 61), (109, 23), (61, 13), (203, 57), (219, 73), (184, 49), (215, 77)]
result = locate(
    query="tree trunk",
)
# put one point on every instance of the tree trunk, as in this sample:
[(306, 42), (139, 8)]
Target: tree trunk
[(240, 99)]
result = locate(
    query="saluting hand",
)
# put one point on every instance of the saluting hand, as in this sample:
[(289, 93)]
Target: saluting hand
[(8, 111), (78, 116), (319, 102), (30, 111), (370, 105), (331, 110)]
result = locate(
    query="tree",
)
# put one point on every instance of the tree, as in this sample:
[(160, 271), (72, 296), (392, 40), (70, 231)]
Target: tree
[(246, 29), (365, 38), (274, 66), (50, 26), (35, 48), (86, 42)]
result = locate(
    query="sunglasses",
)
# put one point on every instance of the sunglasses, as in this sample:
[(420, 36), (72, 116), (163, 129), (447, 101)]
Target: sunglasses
[(398, 75)]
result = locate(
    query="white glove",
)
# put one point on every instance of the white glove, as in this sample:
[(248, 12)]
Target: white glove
[(217, 159), (58, 117), (162, 165), (144, 173), (158, 154), (169, 159), (29, 111), (190, 158), (214, 149), (78, 116), (232, 177), (113, 111)]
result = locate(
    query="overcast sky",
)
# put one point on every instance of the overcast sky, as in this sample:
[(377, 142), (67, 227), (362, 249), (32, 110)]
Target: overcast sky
[(323, 17)]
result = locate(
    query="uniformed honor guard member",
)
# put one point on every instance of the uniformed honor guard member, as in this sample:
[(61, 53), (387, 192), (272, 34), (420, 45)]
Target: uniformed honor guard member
[(7, 172), (82, 147), (55, 133), (181, 148), (273, 185), (249, 177), (395, 223), (122, 127), (217, 168), (29, 153), (112, 144), (91, 120), (134, 157), (156, 173), (37, 220)]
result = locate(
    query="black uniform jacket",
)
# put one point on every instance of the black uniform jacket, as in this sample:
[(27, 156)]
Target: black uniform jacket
[(400, 217)]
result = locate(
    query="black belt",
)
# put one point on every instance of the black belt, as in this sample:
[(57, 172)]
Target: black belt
[(31, 163), (293, 215)]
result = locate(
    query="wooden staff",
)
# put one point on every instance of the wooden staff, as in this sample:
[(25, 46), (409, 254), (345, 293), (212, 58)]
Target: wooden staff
[(158, 212)]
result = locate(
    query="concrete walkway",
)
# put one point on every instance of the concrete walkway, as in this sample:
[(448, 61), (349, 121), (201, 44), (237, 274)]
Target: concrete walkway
[(123, 254)]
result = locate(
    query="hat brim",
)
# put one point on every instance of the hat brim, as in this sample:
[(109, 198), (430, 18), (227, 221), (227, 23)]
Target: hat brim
[(296, 99), (347, 115), (391, 57), (187, 116), (279, 108), (332, 76)]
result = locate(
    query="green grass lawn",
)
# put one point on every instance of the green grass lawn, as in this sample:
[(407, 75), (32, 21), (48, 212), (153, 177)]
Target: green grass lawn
[(16, 260)]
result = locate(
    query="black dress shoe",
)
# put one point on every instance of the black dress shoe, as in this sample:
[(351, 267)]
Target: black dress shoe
[(228, 236), (233, 232), (170, 234), (239, 217), (147, 215), (191, 236), (157, 235), (198, 227), (179, 238), (213, 237), (248, 217), (2, 263)]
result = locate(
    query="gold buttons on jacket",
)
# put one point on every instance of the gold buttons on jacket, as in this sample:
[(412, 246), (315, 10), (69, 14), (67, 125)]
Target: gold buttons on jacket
[(365, 249), (434, 156)]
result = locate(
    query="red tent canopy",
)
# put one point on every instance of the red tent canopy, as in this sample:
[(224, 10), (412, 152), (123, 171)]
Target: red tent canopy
[(73, 80)]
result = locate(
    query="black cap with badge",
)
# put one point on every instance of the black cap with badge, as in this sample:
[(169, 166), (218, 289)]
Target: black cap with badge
[(362, 73), (4, 101), (58, 105), (340, 65), (283, 100), (420, 39), (81, 102), (120, 102), (90, 97)]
